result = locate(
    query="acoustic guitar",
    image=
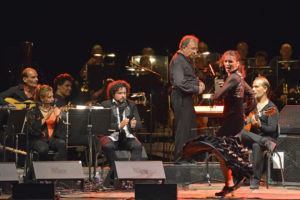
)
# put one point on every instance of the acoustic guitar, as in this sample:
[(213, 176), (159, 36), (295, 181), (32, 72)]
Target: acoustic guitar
[(268, 112), (18, 104)]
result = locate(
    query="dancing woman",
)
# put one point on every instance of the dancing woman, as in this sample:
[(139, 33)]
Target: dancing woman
[(227, 146)]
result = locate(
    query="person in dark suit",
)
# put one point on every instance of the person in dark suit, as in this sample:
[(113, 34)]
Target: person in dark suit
[(184, 84), (125, 121)]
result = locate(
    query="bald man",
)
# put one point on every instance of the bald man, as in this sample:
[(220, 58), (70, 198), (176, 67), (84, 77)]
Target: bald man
[(23, 91), (287, 70)]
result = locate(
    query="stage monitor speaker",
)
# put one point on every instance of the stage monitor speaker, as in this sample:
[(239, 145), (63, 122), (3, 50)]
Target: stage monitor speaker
[(155, 191), (58, 170), (8, 172), (124, 155), (33, 191), (290, 146), (140, 170), (289, 120)]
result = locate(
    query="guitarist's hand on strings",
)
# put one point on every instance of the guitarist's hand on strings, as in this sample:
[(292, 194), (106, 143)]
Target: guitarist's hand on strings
[(255, 122)]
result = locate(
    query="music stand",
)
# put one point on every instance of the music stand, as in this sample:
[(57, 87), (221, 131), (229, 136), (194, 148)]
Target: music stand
[(89, 122), (101, 120), (14, 125)]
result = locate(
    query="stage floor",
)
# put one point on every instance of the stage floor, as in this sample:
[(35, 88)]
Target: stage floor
[(200, 190), (196, 191)]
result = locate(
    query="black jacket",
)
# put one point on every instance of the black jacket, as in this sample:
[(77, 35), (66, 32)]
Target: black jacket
[(132, 112), (16, 92)]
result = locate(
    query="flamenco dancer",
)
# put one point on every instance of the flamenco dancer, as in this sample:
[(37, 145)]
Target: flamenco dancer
[(226, 144)]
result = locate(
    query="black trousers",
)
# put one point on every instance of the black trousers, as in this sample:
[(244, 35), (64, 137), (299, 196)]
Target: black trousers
[(42, 147), (256, 143), (131, 144), (184, 120), (109, 150)]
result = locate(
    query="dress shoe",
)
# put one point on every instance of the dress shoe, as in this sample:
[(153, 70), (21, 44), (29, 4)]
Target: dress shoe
[(226, 189), (270, 145), (181, 162), (185, 162)]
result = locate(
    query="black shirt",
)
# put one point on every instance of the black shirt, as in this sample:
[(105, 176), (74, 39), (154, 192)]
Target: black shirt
[(233, 91), (60, 101), (182, 74), (16, 92), (268, 123)]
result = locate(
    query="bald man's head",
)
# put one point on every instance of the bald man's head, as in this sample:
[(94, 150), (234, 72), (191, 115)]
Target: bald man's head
[(30, 77)]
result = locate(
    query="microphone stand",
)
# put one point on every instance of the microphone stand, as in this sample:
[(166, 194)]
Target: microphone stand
[(89, 129), (27, 161)]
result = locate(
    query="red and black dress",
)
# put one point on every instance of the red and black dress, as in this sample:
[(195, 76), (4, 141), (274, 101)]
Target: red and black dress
[(229, 147)]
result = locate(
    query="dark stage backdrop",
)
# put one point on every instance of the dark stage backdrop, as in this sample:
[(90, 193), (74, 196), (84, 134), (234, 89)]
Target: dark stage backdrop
[(63, 33)]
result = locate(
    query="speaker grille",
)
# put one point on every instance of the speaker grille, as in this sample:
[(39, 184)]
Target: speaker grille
[(60, 170), (8, 172), (290, 145), (289, 119), (140, 170)]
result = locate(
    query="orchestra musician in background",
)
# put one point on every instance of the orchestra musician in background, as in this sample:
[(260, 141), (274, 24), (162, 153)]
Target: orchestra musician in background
[(63, 88), (287, 74), (242, 49), (185, 83), (92, 82), (101, 95), (23, 91)]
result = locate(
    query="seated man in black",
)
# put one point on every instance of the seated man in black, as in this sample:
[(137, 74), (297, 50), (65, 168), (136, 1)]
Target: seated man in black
[(125, 120), (24, 91), (63, 87), (262, 129)]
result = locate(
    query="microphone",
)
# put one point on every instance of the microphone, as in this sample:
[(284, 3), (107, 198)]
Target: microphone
[(130, 116)]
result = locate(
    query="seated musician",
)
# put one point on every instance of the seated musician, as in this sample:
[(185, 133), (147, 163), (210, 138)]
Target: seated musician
[(263, 129), (63, 87), (125, 121), (22, 92), (42, 121)]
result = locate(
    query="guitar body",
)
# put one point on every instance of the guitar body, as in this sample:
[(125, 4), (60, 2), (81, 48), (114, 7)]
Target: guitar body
[(268, 112), (248, 121), (15, 102)]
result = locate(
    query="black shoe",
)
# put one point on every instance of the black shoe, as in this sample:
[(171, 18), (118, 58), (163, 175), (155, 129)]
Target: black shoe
[(270, 145), (182, 162), (226, 189), (193, 162)]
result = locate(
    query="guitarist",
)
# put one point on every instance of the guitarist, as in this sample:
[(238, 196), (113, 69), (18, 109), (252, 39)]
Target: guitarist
[(24, 91), (263, 129)]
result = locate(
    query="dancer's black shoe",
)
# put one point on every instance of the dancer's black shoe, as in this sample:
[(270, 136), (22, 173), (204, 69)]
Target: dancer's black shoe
[(226, 189)]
